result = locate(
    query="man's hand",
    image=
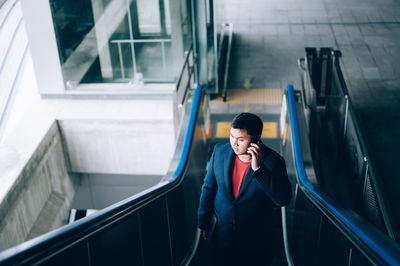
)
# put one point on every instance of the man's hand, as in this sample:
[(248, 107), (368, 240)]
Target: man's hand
[(256, 156), (203, 233)]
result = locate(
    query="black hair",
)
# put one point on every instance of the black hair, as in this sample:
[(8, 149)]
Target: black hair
[(251, 122)]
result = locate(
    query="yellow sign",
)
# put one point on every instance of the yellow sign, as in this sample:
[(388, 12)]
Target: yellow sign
[(269, 130), (223, 130)]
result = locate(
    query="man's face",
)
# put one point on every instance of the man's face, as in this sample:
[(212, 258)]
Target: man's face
[(240, 141)]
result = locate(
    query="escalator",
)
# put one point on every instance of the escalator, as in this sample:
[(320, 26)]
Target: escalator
[(355, 184), (158, 226), (154, 227), (340, 215)]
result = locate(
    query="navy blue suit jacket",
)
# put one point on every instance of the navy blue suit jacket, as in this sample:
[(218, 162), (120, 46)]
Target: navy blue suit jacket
[(245, 222)]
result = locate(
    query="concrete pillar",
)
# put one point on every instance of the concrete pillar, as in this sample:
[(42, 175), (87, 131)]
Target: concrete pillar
[(102, 40), (176, 36), (43, 46)]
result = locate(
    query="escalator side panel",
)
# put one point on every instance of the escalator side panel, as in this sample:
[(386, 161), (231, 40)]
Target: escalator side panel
[(333, 248), (178, 228), (118, 244), (75, 255), (305, 233), (155, 233), (315, 240), (356, 258)]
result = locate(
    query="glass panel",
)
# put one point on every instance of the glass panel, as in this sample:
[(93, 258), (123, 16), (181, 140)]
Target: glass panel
[(154, 52), (108, 41), (186, 24), (2, 2), (73, 20)]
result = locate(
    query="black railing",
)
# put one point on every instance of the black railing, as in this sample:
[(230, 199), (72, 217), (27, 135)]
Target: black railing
[(224, 54), (186, 77)]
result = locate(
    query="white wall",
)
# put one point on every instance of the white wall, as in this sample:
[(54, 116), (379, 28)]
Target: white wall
[(13, 50), (119, 146)]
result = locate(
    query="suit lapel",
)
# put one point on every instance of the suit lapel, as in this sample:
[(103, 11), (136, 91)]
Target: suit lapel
[(246, 182), (227, 166)]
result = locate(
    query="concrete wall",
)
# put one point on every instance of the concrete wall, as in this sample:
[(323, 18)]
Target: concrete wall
[(39, 199), (81, 164), (129, 147), (78, 164)]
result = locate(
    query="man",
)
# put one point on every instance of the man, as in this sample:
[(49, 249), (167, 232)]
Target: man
[(245, 181)]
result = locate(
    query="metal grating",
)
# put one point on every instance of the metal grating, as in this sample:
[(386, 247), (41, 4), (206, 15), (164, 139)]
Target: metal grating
[(371, 208)]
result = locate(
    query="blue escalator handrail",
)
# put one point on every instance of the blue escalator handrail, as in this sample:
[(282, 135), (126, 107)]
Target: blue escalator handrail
[(189, 134), (376, 246), (26, 252)]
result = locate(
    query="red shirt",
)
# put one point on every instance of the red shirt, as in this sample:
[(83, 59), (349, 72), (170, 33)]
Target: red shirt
[(238, 173)]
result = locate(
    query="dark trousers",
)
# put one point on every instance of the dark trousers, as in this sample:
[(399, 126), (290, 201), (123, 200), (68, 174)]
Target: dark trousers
[(233, 256)]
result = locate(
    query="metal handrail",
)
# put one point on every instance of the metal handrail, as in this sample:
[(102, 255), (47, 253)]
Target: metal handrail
[(132, 42), (373, 244), (188, 54), (141, 41), (186, 67), (224, 86), (378, 186), (227, 29), (65, 236)]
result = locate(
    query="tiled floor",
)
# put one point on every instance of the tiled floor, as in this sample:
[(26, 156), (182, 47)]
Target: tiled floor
[(269, 37)]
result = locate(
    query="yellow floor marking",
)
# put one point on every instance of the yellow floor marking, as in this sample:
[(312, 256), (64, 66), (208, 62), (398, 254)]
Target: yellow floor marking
[(269, 130), (252, 96)]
